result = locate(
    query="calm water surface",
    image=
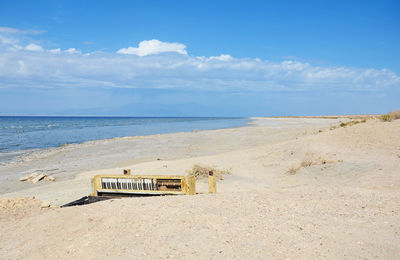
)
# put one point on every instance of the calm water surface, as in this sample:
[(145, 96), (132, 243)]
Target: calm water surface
[(23, 133)]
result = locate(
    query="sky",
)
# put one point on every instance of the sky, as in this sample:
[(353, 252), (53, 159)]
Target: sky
[(199, 58)]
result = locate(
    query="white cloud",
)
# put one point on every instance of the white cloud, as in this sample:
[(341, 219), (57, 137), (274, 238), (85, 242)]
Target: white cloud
[(33, 47), (69, 51), (58, 50), (72, 51), (154, 47), (222, 57)]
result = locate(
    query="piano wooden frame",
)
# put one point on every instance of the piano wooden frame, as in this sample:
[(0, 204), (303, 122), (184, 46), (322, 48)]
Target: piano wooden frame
[(131, 185)]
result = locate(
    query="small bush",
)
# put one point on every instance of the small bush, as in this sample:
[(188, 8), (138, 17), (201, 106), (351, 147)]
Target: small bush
[(395, 114), (293, 170), (353, 122), (386, 118), (201, 171), (309, 160), (390, 116)]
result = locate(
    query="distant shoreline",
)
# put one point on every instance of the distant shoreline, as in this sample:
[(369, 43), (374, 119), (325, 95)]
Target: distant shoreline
[(205, 117), (329, 117)]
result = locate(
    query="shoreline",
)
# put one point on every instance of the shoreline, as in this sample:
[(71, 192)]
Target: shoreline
[(65, 163), (252, 121), (43, 149)]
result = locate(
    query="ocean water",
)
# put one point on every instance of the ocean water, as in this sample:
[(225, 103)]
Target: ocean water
[(25, 133)]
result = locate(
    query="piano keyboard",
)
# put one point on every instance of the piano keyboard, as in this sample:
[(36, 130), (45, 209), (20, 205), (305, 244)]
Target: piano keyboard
[(128, 184)]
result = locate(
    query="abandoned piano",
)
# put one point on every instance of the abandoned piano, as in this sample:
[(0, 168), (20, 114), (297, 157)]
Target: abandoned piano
[(131, 185)]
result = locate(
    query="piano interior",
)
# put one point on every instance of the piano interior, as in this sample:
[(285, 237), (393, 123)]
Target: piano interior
[(169, 184)]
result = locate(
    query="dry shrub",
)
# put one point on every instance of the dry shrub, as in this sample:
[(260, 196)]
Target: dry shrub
[(307, 162), (309, 159), (386, 118), (353, 122), (202, 171), (395, 114), (390, 116), (293, 170)]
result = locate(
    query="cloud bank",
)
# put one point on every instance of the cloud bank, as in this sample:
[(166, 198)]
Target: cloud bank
[(163, 65)]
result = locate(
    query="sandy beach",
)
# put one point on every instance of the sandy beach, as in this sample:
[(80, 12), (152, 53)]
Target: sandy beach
[(297, 188)]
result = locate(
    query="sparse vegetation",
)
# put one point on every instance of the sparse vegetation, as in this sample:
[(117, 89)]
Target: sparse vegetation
[(395, 114), (293, 170), (391, 116), (352, 122), (309, 160), (386, 118), (201, 171)]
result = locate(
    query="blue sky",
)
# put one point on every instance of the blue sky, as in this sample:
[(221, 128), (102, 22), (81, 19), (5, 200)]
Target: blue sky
[(203, 58)]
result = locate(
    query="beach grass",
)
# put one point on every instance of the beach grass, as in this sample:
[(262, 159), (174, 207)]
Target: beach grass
[(391, 116)]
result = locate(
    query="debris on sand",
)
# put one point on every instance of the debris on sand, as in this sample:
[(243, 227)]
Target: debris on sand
[(49, 178), (45, 204), (36, 177)]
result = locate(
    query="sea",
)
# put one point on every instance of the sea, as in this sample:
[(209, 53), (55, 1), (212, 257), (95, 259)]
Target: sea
[(19, 133)]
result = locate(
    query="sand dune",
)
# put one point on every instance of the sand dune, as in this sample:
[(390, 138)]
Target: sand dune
[(296, 190)]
